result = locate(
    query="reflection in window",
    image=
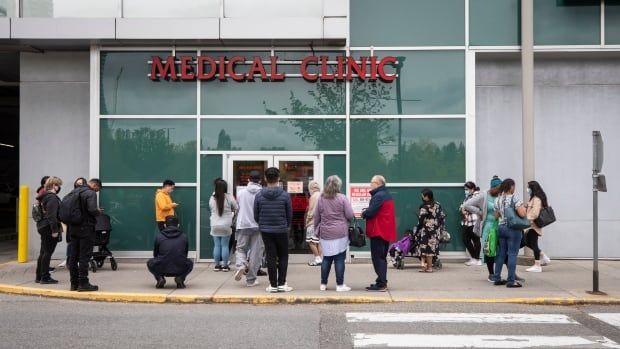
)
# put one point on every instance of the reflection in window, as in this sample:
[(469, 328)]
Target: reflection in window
[(408, 150), (273, 134), (567, 22), (148, 150), (429, 82)]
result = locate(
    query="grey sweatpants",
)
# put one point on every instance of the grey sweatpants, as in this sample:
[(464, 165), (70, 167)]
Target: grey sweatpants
[(250, 249)]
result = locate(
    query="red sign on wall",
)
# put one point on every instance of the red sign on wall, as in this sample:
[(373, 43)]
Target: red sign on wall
[(311, 68)]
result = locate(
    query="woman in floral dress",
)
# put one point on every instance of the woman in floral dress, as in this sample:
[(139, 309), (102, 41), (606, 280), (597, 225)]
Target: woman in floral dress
[(431, 219)]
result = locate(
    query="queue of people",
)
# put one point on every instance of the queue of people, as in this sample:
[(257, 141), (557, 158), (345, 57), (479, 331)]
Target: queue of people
[(262, 216)]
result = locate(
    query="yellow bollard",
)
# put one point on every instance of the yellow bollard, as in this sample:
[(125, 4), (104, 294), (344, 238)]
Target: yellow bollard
[(22, 225)]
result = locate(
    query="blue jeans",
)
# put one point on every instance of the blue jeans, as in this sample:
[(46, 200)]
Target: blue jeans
[(509, 245), (220, 250), (326, 266)]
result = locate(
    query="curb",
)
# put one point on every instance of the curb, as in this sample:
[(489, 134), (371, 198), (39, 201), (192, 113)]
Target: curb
[(270, 300)]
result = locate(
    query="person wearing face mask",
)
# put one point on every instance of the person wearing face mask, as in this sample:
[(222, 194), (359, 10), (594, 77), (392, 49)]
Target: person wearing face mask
[(471, 223), (538, 200), (431, 221), (49, 228)]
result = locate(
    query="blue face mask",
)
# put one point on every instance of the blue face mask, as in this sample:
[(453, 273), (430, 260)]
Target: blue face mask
[(529, 192), (467, 193)]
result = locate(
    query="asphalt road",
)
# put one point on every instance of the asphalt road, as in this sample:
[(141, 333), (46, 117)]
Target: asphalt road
[(31, 322)]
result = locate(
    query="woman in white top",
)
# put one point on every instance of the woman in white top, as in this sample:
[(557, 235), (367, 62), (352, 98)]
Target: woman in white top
[(223, 207)]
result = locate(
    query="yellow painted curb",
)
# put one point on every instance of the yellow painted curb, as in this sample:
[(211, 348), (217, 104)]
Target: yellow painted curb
[(286, 299)]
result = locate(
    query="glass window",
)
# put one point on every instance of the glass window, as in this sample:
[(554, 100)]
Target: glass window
[(408, 150), (494, 22), (407, 23), (612, 22), (336, 165), (567, 22), (210, 168), (163, 8), (127, 90), (38, 8), (407, 202), (273, 134), (132, 211), (430, 82), (147, 150), (7, 8), (293, 96)]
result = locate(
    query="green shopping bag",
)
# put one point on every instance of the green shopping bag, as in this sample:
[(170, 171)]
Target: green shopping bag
[(490, 246)]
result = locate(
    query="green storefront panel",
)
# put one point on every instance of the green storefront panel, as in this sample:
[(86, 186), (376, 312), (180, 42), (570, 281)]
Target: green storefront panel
[(335, 165), (127, 90), (567, 22), (430, 82), (433, 150), (147, 150), (494, 22), (132, 210), (407, 23), (273, 134), (292, 96), (612, 22), (210, 168)]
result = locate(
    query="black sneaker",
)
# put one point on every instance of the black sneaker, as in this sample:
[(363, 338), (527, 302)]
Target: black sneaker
[(52, 269), (160, 282), (74, 287), (376, 288), (48, 280), (217, 268), (514, 285), (261, 272), (87, 287), (225, 268), (180, 282), (500, 283)]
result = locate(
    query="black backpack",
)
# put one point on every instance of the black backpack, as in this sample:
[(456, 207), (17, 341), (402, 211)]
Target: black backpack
[(70, 210), (38, 213)]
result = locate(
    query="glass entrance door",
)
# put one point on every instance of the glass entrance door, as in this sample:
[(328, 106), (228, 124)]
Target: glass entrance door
[(296, 171)]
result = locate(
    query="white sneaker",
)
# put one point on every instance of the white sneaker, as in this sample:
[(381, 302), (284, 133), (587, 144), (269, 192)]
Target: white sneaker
[(343, 288), (471, 262), (239, 273), (255, 283), (478, 263), (534, 269), (270, 289), (285, 288), (323, 287), (62, 264), (545, 260), (318, 259)]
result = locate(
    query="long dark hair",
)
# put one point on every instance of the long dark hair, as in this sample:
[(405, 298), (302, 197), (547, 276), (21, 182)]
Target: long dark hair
[(221, 188), (537, 191), (471, 185), (506, 185), (429, 194)]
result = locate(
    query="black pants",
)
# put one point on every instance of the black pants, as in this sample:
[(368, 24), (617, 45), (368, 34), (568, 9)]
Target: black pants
[(471, 241), (159, 273), (490, 265), (80, 250), (276, 248), (378, 253), (531, 241), (161, 226), (48, 245)]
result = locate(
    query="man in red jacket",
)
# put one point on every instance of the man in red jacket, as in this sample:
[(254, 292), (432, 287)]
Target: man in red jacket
[(381, 229)]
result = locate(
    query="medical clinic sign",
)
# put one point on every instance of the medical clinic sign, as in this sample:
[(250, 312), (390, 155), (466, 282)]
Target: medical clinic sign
[(311, 68)]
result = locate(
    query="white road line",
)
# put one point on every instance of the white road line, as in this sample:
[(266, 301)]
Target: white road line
[(361, 340), (474, 318), (610, 318)]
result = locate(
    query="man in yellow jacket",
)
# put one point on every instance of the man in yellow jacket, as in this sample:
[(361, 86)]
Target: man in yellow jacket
[(164, 206)]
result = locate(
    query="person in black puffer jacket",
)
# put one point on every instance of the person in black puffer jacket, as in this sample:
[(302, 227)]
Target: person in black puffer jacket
[(273, 213), (170, 255), (49, 228)]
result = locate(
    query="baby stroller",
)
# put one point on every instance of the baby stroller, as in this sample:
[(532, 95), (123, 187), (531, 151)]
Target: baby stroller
[(102, 238), (400, 249)]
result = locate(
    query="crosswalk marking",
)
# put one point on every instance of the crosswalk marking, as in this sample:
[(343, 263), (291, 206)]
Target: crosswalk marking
[(361, 340), (610, 318), (476, 318)]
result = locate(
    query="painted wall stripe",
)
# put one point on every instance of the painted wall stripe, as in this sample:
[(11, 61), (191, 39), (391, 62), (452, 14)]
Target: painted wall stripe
[(610, 318), (476, 318), (361, 340)]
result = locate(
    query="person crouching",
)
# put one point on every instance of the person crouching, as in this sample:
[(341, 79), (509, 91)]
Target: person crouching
[(170, 255)]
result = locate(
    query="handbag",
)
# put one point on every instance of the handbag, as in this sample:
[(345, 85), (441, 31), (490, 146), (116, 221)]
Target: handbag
[(512, 218), (357, 238), (490, 245), (545, 217)]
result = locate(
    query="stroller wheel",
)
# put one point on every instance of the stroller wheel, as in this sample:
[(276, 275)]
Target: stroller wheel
[(400, 264), (438, 264), (100, 264), (113, 264), (93, 266)]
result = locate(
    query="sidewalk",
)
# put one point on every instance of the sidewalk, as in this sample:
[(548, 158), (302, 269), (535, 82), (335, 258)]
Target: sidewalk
[(562, 282)]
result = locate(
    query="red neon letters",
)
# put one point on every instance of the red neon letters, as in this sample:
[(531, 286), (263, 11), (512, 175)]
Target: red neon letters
[(240, 68)]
